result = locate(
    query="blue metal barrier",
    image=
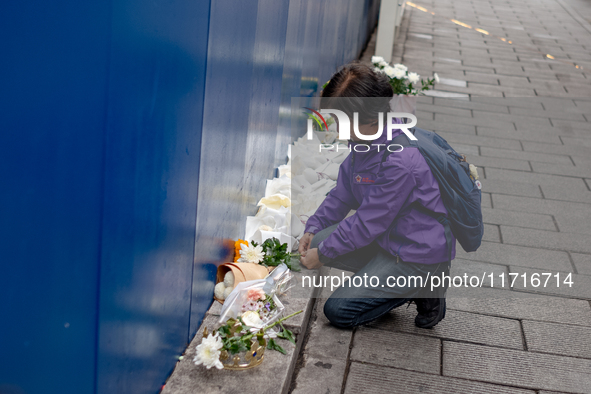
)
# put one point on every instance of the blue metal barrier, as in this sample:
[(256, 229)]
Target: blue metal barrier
[(136, 136)]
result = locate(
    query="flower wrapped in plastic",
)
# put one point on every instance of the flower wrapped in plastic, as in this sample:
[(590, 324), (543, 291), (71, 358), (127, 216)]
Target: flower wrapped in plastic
[(256, 301)]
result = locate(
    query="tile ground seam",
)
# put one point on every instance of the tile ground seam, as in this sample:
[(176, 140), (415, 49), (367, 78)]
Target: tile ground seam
[(441, 339), (300, 361), (348, 361), (516, 318), (523, 338), (572, 262)]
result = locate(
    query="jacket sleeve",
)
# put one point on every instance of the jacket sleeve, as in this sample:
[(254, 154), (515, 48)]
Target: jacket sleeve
[(380, 206), (337, 204)]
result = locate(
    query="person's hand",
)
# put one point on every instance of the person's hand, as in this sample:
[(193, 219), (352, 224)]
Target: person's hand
[(310, 260), (305, 243)]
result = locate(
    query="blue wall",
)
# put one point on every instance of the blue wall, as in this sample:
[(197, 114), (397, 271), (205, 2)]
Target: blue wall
[(136, 136)]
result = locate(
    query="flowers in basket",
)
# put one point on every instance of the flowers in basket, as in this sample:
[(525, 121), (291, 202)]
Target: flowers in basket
[(246, 329), (402, 81)]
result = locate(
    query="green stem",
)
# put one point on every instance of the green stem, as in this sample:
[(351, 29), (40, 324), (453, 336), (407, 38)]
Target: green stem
[(248, 336)]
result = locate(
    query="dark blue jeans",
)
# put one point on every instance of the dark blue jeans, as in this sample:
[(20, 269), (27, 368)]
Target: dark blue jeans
[(352, 305)]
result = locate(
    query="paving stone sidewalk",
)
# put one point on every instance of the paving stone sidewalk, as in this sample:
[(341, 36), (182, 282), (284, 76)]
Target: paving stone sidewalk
[(524, 120)]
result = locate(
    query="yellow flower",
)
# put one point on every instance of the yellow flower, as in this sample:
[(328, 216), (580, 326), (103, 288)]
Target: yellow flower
[(237, 248)]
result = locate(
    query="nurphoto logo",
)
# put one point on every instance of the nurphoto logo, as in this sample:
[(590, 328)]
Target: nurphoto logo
[(344, 125)]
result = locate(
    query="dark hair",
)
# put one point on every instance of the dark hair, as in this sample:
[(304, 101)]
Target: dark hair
[(353, 83)]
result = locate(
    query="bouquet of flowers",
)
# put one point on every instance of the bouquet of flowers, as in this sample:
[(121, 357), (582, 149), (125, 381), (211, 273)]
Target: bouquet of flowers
[(401, 80), (234, 337), (270, 253), (246, 324)]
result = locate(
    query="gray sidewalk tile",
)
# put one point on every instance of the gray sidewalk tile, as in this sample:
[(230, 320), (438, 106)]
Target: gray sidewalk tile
[(518, 305), (542, 133), (560, 209), (506, 254), (582, 161), (486, 200), (546, 239), (582, 263), (457, 325), (321, 375), (461, 267), (578, 193), (445, 110), (566, 284), (474, 104), (468, 150), (535, 178), (325, 340), (551, 113), (555, 338), (516, 368), (512, 118), (586, 142), (491, 233), (581, 170), (464, 67), (371, 379), (569, 124), (493, 162), (518, 219), (507, 91), (396, 349), (534, 103), (559, 150), (438, 126), (501, 143)]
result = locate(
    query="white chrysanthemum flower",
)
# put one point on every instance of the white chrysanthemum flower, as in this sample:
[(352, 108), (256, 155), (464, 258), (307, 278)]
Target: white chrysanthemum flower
[(413, 77), (219, 291), (399, 73), (251, 254), (401, 67), (474, 171), (377, 70), (208, 352), (383, 63), (436, 77), (252, 319), (376, 59), (229, 279), (389, 71)]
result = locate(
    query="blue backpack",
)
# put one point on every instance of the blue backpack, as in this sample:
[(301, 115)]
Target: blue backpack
[(460, 194)]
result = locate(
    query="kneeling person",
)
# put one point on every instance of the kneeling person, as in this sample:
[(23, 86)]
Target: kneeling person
[(389, 235)]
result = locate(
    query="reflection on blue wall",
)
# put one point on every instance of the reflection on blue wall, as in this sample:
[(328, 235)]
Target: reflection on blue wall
[(136, 136)]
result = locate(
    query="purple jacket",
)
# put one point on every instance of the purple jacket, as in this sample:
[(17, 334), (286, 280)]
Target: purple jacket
[(382, 198)]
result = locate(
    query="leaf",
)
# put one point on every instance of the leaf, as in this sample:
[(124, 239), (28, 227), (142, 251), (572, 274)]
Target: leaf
[(286, 334), (238, 347), (294, 264), (224, 330), (272, 345)]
